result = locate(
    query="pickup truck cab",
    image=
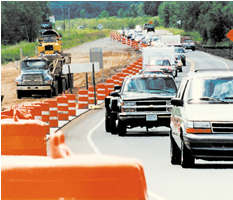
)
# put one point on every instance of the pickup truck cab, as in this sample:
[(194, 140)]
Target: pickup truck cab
[(142, 101)]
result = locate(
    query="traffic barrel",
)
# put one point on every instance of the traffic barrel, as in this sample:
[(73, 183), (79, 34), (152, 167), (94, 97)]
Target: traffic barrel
[(36, 112), (62, 108), (109, 83), (45, 112), (53, 113), (101, 91), (71, 104), (91, 95), (82, 99)]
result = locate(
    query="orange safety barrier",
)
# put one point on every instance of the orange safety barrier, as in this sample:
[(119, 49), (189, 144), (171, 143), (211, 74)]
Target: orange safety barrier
[(62, 108), (71, 104), (23, 137), (36, 112), (76, 177), (128, 42), (53, 115), (101, 91), (58, 148), (91, 95), (82, 99), (109, 84), (123, 40), (45, 112)]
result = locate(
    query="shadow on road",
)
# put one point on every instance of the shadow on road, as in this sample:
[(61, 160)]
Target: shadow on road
[(214, 166), (146, 134)]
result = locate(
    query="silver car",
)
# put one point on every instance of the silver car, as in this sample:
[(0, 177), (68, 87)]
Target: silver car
[(202, 118)]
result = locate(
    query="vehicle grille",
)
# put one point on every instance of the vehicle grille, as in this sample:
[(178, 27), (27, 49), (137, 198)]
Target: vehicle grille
[(32, 79), (146, 109), (223, 127), (148, 103), (48, 47)]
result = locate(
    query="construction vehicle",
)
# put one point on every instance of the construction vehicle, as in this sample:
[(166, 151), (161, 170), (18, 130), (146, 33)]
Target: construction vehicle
[(50, 43), (44, 75)]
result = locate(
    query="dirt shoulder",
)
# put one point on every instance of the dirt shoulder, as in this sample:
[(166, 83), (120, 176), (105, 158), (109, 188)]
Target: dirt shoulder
[(115, 57)]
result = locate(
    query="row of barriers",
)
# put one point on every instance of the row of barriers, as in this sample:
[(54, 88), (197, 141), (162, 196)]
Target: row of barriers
[(18, 134), (124, 40), (37, 164)]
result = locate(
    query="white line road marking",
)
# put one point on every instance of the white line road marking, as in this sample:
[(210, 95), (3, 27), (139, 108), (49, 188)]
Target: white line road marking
[(97, 151)]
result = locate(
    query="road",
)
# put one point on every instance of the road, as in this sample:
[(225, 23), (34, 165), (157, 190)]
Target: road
[(208, 180)]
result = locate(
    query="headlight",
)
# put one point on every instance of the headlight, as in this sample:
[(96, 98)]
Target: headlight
[(129, 103), (198, 127), (128, 109)]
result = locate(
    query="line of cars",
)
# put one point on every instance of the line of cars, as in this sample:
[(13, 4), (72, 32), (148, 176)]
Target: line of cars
[(194, 112)]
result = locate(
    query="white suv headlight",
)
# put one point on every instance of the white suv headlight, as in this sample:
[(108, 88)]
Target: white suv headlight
[(198, 127)]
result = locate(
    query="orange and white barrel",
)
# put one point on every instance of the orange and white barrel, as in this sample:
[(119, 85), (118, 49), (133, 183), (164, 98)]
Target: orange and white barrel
[(62, 108), (101, 91), (109, 84), (91, 95), (53, 113), (71, 104), (82, 99), (45, 112), (36, 112)]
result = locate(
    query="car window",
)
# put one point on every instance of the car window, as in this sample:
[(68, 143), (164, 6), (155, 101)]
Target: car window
[(211, 89), (151, 85)]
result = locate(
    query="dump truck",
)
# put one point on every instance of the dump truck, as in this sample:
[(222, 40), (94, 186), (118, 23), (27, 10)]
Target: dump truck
[(44, 75)]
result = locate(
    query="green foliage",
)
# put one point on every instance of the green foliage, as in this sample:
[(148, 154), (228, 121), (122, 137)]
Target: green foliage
[(151, 7), (109, 23), (12, 52), (104, 14), (211, 19), (21, 20)]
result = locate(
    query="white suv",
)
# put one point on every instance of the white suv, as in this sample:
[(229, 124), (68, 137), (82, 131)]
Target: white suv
[(202, 118)]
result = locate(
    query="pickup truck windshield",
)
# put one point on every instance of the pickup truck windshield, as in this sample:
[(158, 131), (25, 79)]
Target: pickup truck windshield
[(33, 64), (151, 85), (211, 90)]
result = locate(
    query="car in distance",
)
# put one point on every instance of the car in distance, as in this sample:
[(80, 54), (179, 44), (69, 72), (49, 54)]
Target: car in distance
[(179, 55), (189, 44), (202, 119), (165, 65), (142, 101)]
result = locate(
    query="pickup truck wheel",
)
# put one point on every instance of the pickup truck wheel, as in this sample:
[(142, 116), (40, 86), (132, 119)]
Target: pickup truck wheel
[(187, 160), (174, 151), (49, 93), (121, 128), (19, 94), (107, 122)]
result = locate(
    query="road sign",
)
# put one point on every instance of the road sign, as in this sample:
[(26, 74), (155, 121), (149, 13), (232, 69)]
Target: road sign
[(52, 19), (80, 67), (230, 35), (96, 55)]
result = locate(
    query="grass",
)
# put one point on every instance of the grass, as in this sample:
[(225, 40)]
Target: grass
[(194, 35), (74, 36)]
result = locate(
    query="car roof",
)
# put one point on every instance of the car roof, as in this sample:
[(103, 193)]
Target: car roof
[(210, 72)]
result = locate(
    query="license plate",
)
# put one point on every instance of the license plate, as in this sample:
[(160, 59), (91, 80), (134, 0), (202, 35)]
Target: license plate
[(151, 117)]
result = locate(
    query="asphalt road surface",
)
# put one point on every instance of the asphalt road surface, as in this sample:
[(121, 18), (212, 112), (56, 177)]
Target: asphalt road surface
[(207, 181)]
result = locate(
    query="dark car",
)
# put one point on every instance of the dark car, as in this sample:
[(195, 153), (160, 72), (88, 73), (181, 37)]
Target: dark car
[(142, 101), (202, 119), (179, 55)]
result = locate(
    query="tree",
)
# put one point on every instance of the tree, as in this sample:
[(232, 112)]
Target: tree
[(82, 13), (104, 14), (151, 8)]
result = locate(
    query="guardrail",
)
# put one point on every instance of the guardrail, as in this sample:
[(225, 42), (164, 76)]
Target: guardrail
[(223, 51)]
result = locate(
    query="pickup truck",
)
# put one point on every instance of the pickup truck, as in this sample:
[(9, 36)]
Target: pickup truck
[(144, 100)]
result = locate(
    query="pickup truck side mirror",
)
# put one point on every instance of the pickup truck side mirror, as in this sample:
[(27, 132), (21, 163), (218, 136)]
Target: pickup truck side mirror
[(117, 87), (177, 102)]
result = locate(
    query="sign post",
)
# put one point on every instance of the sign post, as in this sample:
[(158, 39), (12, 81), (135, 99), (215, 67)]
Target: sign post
[(93, 81)]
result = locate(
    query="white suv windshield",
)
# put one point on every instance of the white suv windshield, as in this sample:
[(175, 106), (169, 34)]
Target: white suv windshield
[(150, 85), (211, 90)]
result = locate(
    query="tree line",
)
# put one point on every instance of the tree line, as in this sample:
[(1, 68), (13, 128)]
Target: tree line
[(212, 19), (21, 20)]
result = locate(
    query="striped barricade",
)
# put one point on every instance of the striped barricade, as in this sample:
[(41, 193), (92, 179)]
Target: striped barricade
[(91, 95), (82, 99), (53, 115), (45, 112), (71, 104), (101, 91), (62, 106)]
